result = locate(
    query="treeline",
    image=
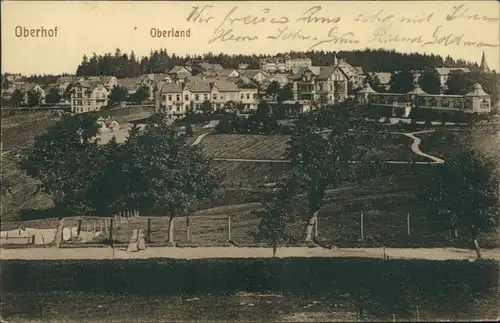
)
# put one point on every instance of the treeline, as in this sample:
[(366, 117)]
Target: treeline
[(124, 65)]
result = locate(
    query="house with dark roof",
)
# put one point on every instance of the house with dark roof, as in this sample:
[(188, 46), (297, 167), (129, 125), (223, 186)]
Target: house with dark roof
[(35, 89), (206, 66), (225, 72), (88, 96), (178, 98), (108, 81), (354, 74), (443, 73), (15, 81), (130, 83), (328, 83), (257, 76), (179, 72)]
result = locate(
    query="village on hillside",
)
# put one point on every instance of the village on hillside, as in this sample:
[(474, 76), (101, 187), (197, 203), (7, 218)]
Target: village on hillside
[(318, 186), (293, 83)]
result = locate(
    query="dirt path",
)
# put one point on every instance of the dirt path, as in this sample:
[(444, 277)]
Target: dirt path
[(415, 146), (235, 252)]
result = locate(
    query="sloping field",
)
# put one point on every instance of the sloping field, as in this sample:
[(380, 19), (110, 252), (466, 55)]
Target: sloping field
[(447, 143), (19, 131), (245, 146), (251, 173), (389, 147)]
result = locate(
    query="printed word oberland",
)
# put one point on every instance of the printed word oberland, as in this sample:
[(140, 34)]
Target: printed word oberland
[(42, 32), (170, 33)]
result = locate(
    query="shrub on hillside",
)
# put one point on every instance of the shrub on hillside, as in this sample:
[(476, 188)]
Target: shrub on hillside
[(225, 125)]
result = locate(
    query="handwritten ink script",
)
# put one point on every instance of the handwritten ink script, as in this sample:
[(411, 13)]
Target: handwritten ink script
[(315, 26)]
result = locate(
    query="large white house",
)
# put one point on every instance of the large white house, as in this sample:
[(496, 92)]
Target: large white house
[(314, 83), (88, 96), (178, 98)]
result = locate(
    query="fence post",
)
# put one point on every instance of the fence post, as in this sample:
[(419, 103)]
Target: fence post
[(362, 229), (111, 231), (149, 229), (188, 228), (316, 228), (228, 228), (408, 223), (79, 228)]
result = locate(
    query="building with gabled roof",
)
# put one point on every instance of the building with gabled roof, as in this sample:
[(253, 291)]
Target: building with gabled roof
[(88, 96), (196, 92), (32, 88), (314, 83), (206, 66), (443, 73)]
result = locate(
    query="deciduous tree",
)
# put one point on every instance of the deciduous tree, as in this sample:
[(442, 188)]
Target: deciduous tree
[(169, 176), (402, 82), (464, 193), (16, 99), (34, 98), (118, 94), (53, 96), (66, 159), (275, 216), (430, 82), (322, 156)]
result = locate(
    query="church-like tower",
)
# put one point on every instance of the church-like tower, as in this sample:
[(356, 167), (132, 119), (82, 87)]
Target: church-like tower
[(484, 66)]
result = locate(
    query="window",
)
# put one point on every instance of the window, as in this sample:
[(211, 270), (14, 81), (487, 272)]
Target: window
[(485, 104), (178, 97), (248, 96), (215, 96), (206, 97), (170, 97), (197, 97), (186, 107), (186, 97), (255, 95), (164, 98), (242, 96), (445, 103)]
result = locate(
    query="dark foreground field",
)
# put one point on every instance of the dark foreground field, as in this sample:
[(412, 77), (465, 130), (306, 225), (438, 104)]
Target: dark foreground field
[(250, 290)]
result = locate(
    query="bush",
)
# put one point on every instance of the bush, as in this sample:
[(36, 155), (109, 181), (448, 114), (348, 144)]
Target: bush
[(189, 130), (225, 125), (391, 283)]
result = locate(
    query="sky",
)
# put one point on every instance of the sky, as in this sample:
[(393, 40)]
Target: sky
[(459, 29)]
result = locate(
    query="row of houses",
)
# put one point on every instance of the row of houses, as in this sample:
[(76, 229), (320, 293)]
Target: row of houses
[(181, 88), (179, 93)]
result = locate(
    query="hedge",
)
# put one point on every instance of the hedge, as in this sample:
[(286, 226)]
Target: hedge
[(319, 276)]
